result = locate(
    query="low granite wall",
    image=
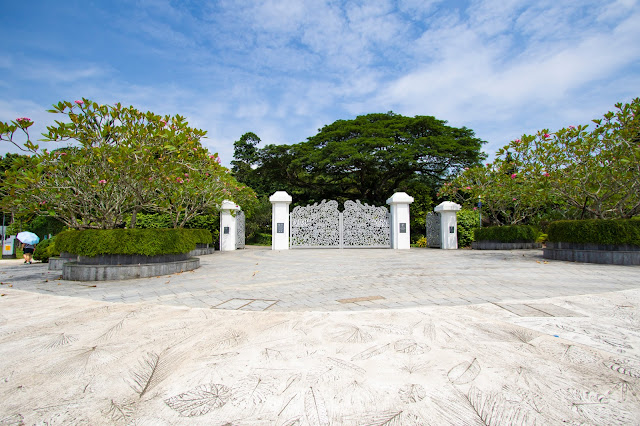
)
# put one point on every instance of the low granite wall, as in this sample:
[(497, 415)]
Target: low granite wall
[(593, 253), (200, 251), (76, 271), (55, 263), (496, 245)]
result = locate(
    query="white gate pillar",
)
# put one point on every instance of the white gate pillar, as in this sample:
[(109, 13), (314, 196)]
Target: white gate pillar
[(228, 226), (400, 232), (280, 201), (448, 224)]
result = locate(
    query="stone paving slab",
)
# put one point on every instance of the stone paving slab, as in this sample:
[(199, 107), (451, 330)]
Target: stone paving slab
[(440, 348), (71, 360), (307, 280)]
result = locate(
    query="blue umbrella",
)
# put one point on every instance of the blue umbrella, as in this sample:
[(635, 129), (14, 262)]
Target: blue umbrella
[(28, 238)]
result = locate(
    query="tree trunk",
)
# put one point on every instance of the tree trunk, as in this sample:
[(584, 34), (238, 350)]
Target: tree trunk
[(133, 219)]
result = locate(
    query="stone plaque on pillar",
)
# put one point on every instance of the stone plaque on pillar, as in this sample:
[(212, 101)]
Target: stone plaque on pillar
[(280, 228), (403, 228)]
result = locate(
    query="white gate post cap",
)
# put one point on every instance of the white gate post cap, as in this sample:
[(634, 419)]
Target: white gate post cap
[(400, 198), (229, 205), (280, 196), (448, 206)]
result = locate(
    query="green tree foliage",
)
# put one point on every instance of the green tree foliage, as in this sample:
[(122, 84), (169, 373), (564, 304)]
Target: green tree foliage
[(367, 158), (122, 161), (575, 172), (468, 221)]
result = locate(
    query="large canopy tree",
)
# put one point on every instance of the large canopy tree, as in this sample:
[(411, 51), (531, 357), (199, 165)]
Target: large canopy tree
[(121, 161), (577, 172), (367, 158)]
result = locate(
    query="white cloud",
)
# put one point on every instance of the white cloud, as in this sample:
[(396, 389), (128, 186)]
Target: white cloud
[(283, 69), (477, 78)]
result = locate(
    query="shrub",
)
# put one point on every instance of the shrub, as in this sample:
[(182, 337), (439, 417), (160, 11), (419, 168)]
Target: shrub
[(422, 242), (150, 242), (468, 220), (200, 236), (210, 222), (542, 238), (507, 234), (260, 239), (45, 249), (596, 231)]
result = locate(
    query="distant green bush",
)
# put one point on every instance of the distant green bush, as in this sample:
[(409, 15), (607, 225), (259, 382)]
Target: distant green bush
[(45, 249), (260, 239), (507, 234), (468, 220), (596, 231), (422, 242), (150, 242)]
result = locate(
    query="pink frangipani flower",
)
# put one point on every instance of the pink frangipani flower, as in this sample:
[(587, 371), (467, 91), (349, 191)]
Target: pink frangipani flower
[(546, 174), (514, 199), (546, 135), (102, 181), (468, 187), (572, 127), (79, 102), (513, 176), (517, 141)]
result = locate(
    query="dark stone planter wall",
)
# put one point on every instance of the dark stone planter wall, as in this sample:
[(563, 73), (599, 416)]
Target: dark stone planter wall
[(130, 259), (593, 253), (496, 245), (79, 272)]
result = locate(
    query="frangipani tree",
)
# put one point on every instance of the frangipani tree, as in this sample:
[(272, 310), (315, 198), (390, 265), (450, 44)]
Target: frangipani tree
[(122, 161), (582, 173)]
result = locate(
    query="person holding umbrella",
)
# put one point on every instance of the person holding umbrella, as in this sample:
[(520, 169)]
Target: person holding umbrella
[(29, 241)]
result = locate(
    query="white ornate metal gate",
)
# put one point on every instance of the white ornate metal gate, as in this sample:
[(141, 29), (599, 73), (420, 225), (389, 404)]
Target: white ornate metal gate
[(324, 226), (240, 232), (433, 230)]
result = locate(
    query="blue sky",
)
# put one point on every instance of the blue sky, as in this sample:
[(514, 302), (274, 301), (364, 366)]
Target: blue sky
[(283, 69)]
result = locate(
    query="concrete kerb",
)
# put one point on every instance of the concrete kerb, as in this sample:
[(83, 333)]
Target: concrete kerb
[(75, 271)]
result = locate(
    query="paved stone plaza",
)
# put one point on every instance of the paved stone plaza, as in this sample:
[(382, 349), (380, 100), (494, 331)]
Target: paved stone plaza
[(346, 337), (341, 280)]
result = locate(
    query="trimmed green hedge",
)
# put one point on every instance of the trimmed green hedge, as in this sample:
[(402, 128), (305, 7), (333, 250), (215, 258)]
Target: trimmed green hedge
[(507, 234), (201, 236), (596, 231), (150, 242)]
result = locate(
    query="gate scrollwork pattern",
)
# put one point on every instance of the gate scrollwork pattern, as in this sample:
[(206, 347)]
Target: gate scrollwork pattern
[(365, 225), (433, 229), (317, 225), (240, 230)]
